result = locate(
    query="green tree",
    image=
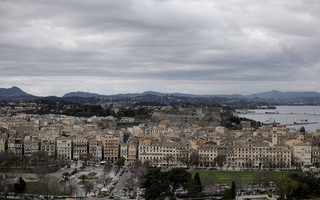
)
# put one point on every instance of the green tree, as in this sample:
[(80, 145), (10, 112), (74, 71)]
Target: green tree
[(308, 183), (178, 177), (156, 184), (227, 195), (120, 161), (285, 187), (197, 182), (83, 177), (302, 129), (20, 187), (233, 190)]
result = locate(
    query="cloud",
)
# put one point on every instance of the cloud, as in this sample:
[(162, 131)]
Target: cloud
[(130, 46)]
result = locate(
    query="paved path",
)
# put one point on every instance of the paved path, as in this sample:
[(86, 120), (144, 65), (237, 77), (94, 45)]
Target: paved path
[(255, 196)]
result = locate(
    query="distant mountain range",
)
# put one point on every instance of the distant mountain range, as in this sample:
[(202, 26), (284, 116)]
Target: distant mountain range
[(16, 94), (274, 94)]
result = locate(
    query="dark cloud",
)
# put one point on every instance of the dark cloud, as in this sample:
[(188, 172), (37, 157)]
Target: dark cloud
[(129, 46)]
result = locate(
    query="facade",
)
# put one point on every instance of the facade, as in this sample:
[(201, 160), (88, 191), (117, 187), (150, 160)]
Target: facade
[(15, 146), (80, 148), (64, 148), (95, 150), (261, 155), (124, 150), (132, 151), (3, 143), (111, 148), (31, 147), (315, 156), (48, 146), (301, 153), (161, 154)]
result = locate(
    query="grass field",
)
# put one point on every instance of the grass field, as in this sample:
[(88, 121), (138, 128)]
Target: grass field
[(225, 177)]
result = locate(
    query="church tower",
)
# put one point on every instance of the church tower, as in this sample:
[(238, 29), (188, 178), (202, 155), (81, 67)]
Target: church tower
[(274, 134)]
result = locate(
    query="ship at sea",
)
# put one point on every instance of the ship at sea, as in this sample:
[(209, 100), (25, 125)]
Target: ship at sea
[(301, 121), (270, 122)]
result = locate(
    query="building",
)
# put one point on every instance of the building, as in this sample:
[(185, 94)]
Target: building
[(31, 147), (3, 143), (80, 148), (124, 150), (64, 147), (15, 146), (301, 153), (132, 150), (95, 150), (111, 148), (261, 155), (315, 156), (48, 146)]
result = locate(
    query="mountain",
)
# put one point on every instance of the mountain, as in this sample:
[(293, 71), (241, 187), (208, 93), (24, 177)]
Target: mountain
[(81, 94), (12, 92), (275, 94), (15, 94)]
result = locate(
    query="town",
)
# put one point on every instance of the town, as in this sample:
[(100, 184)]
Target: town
[(192, 138)]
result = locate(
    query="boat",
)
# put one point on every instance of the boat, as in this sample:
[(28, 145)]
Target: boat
[(301, 121), (270, 122), (272, 112)]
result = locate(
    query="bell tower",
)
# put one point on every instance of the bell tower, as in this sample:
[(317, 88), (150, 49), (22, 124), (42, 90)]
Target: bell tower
[(274, 134)]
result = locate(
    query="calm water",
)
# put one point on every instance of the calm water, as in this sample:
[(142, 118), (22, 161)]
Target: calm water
[(289, 114)]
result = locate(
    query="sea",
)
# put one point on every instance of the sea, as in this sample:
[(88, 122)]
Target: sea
[(286, 115)]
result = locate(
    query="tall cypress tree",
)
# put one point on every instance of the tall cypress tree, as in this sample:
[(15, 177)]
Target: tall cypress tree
[(20, 187), (233, 190), (198, 182)]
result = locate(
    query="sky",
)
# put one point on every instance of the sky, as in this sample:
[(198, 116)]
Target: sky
[(121, 46)]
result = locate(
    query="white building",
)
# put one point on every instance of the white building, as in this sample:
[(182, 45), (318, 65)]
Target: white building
[(301, 153), (64, 147)]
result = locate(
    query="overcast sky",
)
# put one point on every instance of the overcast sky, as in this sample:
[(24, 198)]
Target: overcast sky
[(200, 47)]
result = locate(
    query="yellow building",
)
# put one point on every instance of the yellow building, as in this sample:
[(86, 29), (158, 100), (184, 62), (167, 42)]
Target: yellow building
[(111, 148)]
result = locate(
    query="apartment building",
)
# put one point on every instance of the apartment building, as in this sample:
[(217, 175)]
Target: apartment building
[(48, 146), (124, 150), (301, 153), (261, 155), (3, 143), (79, 148), (162, 153), (15, 146), (315, 155), (95, 150), (111, 148), (31, 147), (64, 147), (132, 150)]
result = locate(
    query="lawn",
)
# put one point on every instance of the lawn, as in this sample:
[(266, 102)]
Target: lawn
[(225, 177)]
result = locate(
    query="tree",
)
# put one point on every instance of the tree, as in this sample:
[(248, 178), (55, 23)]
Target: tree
[(194, 158), (156, 184), (107, 168), (198, 182), (83, 177), (233, 190), (88, 187), (65, 178), (302, 129), (120, 161), (285, 187), (72, 188), (178, 177), (307, 183), (220, 160), (227, 195), (20, 187)]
